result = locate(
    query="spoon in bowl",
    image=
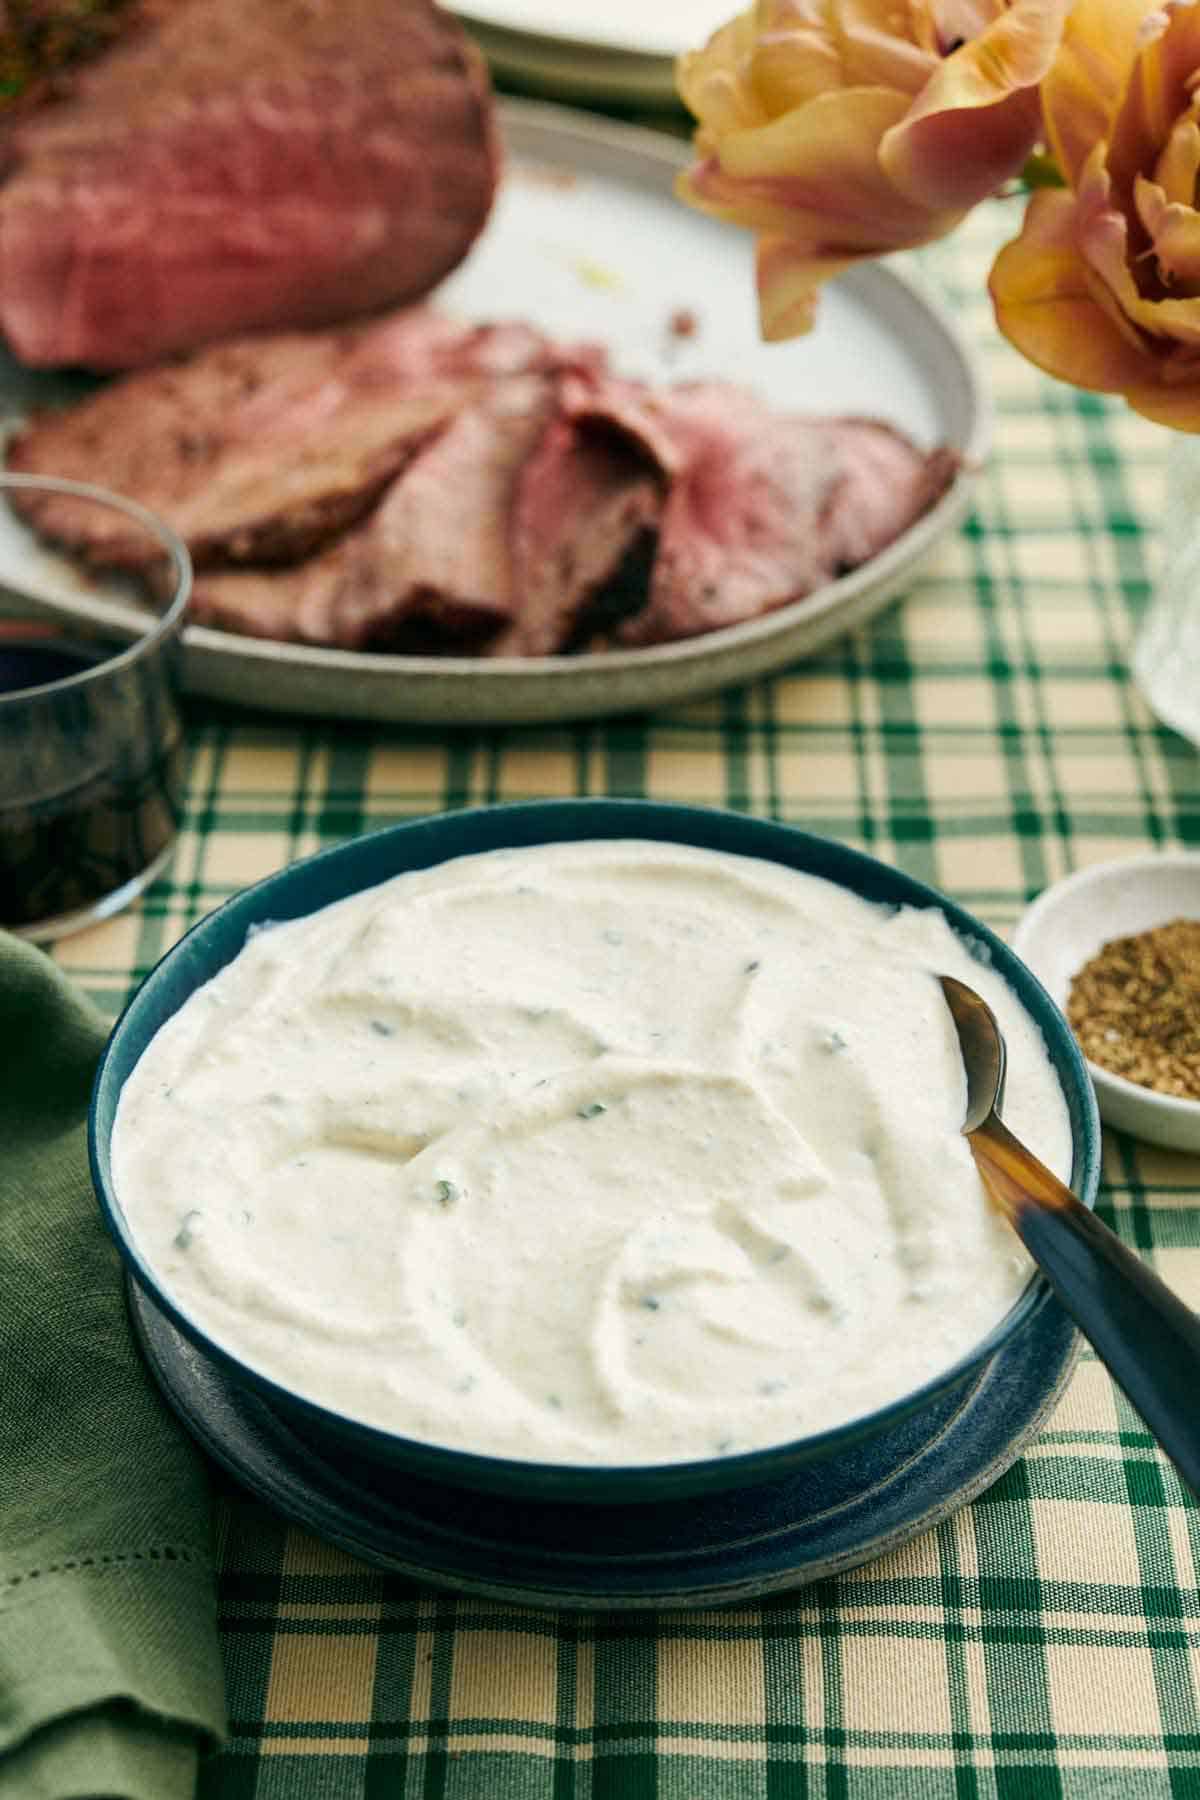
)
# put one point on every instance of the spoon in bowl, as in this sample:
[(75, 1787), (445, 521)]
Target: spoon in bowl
[(1147, 1337)]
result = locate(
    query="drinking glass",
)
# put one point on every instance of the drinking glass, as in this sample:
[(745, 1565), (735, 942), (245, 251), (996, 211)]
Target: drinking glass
[(91, 738)]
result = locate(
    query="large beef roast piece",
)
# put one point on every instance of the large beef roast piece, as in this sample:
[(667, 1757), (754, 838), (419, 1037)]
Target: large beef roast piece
[(233, 167)]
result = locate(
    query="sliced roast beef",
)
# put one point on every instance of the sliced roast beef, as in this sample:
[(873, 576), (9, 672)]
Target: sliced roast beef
[(413, 482), (740, 528), (262, 449), (626, 409), (266, 603), (286, 605), (234, 167), (435, 551), (887, 483), (438, 544), (586, 496), (764, 508)]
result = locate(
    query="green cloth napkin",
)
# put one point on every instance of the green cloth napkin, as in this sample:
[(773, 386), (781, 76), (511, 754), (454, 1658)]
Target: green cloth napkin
[(110, 1671)]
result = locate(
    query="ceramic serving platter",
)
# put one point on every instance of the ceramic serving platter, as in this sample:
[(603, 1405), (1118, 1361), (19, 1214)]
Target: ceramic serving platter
[(710, 1550), (587, 240)]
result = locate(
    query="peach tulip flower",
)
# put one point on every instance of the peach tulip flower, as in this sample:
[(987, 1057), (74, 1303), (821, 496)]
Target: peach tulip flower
[(1102, 288), (839, 130)]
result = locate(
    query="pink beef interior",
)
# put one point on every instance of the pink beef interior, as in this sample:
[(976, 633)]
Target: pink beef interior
[(241, 166), (740, 529), (583, 500)]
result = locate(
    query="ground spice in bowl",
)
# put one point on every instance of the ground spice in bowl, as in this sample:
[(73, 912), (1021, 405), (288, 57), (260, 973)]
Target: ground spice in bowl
[(1135, 1008)]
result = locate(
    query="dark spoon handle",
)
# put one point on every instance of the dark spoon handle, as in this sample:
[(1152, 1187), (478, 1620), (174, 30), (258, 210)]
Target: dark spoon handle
[(1147, 1337)]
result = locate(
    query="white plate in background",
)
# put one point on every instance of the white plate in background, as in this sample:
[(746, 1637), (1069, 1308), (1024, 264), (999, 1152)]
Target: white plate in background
[(660, 28), (572, 72), (587, 240)]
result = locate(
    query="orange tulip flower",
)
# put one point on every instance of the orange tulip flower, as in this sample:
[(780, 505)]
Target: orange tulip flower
[(840, 130), (1102, 288)]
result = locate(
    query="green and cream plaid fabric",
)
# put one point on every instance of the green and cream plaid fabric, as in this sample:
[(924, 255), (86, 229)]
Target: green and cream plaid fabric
[(1046, 1641)]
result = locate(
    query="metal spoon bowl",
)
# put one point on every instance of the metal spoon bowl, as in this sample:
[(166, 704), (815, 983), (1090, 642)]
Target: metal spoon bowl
[(1145, 1335)]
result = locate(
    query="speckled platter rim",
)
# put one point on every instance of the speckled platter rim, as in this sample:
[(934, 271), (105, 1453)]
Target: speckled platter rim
[(1001, 1413)]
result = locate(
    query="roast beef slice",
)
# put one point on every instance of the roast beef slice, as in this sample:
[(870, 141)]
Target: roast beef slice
[(886, 485), (585, 497), (435, 551), (234, 167), (266, 603), (438, 544), (263, 449), (765, 508), (739, 532)]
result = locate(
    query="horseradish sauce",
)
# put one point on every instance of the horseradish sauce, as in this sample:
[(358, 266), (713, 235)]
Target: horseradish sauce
[(596, 1152)]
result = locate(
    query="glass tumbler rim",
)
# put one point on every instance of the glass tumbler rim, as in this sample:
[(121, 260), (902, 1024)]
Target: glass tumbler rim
[(163, 627)]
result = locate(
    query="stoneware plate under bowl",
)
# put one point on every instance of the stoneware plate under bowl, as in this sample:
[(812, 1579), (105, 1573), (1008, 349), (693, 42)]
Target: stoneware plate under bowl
[(869, 1451), (1074, 919), (711, 1550)]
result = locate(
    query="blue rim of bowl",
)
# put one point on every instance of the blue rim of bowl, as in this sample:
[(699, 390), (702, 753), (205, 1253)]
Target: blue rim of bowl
[(334, 873)]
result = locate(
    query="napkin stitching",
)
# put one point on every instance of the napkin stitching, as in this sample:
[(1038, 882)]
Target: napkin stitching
[(160, 1552)]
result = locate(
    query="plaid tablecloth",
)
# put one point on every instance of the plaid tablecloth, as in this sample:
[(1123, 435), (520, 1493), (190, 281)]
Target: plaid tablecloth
[(983, 735)]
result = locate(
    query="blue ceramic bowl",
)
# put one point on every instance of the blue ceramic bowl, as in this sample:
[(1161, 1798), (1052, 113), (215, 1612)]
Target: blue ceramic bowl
[(884, 1438)]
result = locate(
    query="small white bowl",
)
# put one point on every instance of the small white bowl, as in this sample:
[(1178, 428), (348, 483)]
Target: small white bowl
[(1071, 921)]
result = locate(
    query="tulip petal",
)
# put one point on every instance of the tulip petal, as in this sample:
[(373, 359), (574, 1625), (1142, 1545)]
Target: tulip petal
[(877, 51), (1047, 303), (1178, 407), (715, 83), (797, 54), (938, 157), (790, 279), (1102, 237), (1178, 166), (957, 157), (1159, 93), (1174, 231), (1083, 88), (1050, 304), (814, 176)]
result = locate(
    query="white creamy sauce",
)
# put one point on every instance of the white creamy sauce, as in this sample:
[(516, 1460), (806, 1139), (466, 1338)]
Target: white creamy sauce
[(611, 1152)]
